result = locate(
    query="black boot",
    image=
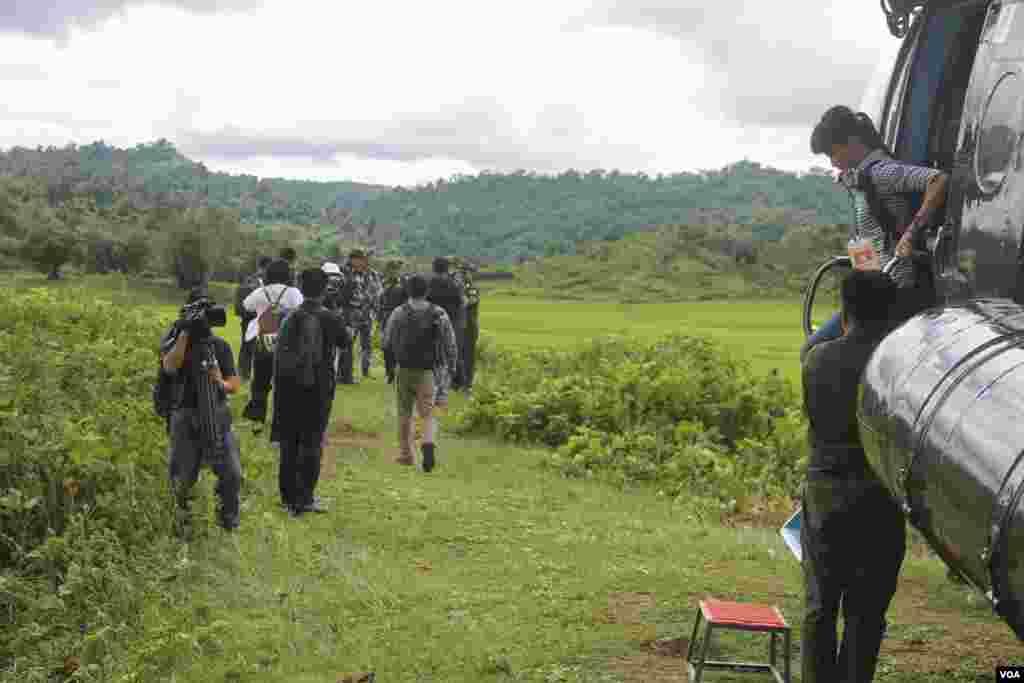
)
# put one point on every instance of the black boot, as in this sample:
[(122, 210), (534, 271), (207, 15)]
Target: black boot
[(428, 457)]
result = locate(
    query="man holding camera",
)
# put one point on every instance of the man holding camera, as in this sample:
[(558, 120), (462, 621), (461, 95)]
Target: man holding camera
[(202, 367)]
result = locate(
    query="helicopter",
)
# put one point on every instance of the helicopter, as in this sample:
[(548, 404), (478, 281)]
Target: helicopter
[(941, 401)]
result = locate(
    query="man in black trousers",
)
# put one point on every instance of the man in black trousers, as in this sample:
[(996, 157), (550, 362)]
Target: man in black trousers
[(852, 534), (302, 405)]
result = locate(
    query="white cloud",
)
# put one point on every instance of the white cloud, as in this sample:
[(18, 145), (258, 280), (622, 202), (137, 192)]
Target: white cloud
[(402, 92)]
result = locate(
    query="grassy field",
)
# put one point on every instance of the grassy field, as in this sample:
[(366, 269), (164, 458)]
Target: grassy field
[(494, 568), (767, 333)]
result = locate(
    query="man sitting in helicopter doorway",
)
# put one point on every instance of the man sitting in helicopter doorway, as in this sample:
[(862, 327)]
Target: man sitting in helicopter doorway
[(853, 536), (882, 189)]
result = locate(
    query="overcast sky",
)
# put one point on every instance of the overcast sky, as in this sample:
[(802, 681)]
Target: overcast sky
[(403, 92)]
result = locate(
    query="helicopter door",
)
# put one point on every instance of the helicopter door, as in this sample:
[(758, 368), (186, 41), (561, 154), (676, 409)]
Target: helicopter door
[(987, 199)]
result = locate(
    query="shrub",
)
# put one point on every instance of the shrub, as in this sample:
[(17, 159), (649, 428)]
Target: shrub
[(679, 412), (83, 503)]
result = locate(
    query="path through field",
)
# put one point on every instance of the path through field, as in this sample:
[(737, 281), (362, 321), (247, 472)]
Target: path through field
[(493, 568)]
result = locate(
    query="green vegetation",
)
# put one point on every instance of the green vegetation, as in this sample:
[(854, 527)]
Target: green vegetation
[(510, 216), (680, 263), (85, 532), (157, 174), (496, 567), (677, 412), (497, 217)]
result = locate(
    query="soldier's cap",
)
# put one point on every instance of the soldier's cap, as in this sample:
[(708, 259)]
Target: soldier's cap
[(357, 253), (331, 268)]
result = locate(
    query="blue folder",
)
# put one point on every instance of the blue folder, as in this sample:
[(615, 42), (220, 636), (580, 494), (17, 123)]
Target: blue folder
[(791, 533)]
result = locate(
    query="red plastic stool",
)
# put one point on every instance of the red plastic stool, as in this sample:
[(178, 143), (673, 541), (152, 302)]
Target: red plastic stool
[(720, 614)]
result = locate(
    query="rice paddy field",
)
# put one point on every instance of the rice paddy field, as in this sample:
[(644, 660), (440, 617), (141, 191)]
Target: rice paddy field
[(766, 333)]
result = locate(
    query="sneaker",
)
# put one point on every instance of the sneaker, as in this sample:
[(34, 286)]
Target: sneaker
[(405, 460), (428, 457), (316, 506)]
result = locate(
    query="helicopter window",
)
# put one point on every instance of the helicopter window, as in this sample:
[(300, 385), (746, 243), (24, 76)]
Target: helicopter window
[(1000, 131)]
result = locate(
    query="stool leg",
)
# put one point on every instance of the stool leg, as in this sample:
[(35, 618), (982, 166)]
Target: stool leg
[(693, 637), (705, 646), (785, 664)]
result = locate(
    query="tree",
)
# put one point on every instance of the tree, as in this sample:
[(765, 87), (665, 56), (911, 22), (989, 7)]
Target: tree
[(49, 248)]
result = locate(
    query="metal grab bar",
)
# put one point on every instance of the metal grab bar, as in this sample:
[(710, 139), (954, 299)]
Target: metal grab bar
[(835, 262)]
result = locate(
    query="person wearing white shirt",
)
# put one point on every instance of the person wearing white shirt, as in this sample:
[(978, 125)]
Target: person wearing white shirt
[(276, 289)]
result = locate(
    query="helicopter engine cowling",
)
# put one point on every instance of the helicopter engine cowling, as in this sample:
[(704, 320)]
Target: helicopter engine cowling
[(941, 417)]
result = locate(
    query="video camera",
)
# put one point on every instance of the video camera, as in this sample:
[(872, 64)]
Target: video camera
[(202, 310)]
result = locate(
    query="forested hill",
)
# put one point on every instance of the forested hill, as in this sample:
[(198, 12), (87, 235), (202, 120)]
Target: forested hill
[(509, 216), (157, 175), (491, 216)]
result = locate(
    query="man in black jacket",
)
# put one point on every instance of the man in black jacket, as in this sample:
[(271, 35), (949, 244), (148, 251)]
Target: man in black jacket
[(852, 534), (445, 292), (301, 412)]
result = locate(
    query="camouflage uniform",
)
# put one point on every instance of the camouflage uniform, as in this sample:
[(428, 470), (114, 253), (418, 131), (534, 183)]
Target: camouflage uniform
[(359, 301), (392, 297), (470, 332)]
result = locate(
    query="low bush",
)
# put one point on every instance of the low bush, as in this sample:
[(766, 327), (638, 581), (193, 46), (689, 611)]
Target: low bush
[(679, 412), (85, 521)]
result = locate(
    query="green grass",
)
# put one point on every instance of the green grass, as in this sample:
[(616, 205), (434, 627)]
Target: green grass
[(493, 568), (767, 333)]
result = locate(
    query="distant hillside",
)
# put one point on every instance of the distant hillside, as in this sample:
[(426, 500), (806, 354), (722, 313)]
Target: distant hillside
[(152, 175), (495, 217), (512, 216), (680, 263)]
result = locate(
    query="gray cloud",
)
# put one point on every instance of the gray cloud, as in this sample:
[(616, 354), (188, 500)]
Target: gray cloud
[(53, 18), (769, 64), (479, 133)]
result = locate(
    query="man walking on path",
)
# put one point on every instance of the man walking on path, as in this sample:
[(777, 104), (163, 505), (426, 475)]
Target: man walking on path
[(249, 285), (359, 299), (271, 301), (852, 535), (394, 296), (443, 291), (305, 384), (421, 337)]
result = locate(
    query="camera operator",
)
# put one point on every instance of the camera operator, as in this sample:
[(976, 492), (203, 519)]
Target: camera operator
[(202, 367)]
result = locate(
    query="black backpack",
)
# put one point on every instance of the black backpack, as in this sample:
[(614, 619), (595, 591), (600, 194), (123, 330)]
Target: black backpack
[(416, 342), (300, 345)]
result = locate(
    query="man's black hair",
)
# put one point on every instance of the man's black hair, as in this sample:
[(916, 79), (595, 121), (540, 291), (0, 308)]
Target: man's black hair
[(441, 265), (866, 297), (289, 254), (279, 273), (838, 125), (314, 281), (416, 286), (264, 262)]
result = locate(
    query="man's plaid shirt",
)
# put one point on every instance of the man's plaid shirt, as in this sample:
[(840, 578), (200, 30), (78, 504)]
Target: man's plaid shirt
[(892, 179)]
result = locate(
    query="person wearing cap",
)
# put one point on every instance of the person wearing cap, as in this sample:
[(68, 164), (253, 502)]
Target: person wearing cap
[(332, 302), (394, 295), (359, 301)]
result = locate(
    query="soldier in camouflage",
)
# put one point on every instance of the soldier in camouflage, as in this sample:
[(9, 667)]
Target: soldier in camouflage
[(359, 301), (470, 332), (392, 297)]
